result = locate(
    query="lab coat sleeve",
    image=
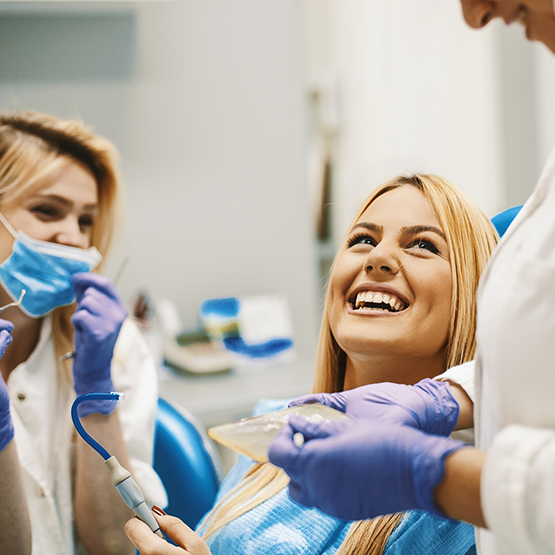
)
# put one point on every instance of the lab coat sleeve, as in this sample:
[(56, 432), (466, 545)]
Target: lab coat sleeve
[(134, 373), (518, 489), (462, 375)]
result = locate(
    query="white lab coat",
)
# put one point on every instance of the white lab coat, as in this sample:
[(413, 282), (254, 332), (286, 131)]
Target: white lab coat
[(515, 382), (45, 437)]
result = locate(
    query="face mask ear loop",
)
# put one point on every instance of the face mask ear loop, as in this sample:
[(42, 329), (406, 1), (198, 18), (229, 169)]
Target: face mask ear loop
[(8, 226)]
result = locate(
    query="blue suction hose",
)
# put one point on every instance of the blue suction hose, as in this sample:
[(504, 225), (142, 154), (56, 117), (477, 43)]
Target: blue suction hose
[(121, 478)]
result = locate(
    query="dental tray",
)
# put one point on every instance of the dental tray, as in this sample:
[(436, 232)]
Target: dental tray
[(252, 436)]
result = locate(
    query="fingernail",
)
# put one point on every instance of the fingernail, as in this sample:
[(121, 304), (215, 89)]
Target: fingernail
[(157, 510)]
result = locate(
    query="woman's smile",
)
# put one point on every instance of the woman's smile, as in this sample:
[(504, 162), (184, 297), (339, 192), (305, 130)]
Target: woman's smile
[(390, 288), (376, 299)]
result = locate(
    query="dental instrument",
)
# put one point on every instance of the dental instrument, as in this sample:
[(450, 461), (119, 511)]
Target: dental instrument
[(121, 477)]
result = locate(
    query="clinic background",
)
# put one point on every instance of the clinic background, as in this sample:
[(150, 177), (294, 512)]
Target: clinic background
[(250, 130)]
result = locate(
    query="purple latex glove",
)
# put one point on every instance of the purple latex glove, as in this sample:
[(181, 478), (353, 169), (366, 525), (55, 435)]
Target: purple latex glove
[(6, 425), (428, 406), (97, 321), (362, 468)]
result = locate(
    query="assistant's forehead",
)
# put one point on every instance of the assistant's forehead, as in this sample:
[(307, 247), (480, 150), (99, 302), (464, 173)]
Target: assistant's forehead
[(72, 181)]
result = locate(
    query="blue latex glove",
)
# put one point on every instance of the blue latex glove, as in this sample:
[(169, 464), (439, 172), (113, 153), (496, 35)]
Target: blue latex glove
[(97, 321), (6, 425), (428, 406), (362, 468)]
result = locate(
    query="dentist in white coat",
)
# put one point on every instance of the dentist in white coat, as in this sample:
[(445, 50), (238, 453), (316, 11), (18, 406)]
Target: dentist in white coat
[(385, 462)]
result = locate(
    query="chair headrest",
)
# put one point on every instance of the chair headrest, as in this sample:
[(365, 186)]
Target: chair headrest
[(503, 220)]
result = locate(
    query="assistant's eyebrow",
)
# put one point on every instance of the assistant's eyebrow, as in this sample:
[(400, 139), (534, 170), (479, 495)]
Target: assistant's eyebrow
[(415, 229), (369, 226), (94, 207)]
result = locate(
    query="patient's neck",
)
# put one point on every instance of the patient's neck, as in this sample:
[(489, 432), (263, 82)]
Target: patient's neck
[(363, 371)]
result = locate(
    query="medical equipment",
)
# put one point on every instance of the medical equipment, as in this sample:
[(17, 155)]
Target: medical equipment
[(251, 326), (252, 436), (121, 478), (197, 353)]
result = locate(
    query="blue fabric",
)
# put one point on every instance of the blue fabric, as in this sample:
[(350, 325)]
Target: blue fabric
[(279, 526), (422, 533)]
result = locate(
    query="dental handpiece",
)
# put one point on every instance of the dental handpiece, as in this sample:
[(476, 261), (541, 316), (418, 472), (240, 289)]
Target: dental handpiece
[(131, 494), (121, 477)]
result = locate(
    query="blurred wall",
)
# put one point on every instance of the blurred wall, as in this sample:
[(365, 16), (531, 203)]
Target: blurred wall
[(405, 86), (206, 102)]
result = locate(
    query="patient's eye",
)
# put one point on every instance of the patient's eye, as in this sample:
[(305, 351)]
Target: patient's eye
[(423, 244), (361, 239)]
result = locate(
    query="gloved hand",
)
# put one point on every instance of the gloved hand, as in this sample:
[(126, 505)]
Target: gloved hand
[(6, 425), (362, 468), (97, 321), (428, 406)]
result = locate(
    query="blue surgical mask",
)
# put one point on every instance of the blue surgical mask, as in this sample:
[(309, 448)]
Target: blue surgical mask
[(44, 270)]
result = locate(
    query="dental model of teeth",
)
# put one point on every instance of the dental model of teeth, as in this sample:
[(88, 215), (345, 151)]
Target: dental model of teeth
[(369, 300)]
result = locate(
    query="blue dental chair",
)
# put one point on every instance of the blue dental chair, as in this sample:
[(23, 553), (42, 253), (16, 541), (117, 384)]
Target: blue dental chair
[(186, 462)]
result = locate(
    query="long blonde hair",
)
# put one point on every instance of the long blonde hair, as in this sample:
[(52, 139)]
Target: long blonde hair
[(470, 237), (34, 145)]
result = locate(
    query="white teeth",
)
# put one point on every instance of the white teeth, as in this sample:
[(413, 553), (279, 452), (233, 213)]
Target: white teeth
[(359, 302), (377, 298)]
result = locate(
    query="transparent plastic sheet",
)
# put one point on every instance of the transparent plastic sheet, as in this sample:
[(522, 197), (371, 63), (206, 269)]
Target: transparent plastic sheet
[(252, 436)]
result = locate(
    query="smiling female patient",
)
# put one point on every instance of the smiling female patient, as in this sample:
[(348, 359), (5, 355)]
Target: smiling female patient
[(399, 308)]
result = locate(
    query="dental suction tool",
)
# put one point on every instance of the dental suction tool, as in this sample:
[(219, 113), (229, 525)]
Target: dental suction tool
[(121, 478)]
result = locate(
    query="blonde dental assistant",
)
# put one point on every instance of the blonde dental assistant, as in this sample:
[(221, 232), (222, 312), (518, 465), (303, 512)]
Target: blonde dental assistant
[(58, 199), (505, 486)]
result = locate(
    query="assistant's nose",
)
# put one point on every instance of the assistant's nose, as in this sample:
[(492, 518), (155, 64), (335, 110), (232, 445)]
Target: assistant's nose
[(69, 233), (478, 13), (382, 258)]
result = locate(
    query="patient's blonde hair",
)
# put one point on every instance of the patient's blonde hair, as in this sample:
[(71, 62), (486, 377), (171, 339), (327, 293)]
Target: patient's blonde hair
[(35, 145), (470, 237)]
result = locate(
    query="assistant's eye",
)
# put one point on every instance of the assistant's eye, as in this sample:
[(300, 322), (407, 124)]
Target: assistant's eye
[(423, 244), (361, 239), (45, 212), (86, 222)]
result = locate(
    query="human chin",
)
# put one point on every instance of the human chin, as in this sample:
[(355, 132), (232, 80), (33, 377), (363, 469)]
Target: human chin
[(364, 335)]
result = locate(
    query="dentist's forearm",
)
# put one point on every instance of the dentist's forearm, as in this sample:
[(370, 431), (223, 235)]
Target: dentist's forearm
[(458, 494)]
